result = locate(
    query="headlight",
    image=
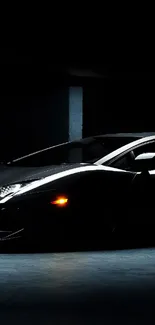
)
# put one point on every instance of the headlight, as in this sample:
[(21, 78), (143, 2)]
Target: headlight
[(10, 189)]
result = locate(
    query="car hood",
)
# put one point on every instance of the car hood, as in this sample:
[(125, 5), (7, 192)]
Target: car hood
[(11, 175)]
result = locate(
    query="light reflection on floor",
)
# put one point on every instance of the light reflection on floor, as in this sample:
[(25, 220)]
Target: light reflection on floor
[(76, 288)]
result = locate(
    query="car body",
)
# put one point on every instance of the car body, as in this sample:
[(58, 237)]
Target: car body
[(84, 203)]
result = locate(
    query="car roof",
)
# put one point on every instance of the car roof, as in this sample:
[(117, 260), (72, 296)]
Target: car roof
[(83, 141), (113, 136), (120, 150), (126, 135), (88, 140)]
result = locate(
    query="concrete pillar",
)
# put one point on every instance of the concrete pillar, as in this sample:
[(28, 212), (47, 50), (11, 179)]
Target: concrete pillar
[(75, 113)]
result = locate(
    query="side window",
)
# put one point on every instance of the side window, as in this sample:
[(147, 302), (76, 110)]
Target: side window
[(150, 147), (121, 163), (126, 162)]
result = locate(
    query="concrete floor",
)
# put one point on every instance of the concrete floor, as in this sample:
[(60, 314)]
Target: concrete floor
[(78, 288)]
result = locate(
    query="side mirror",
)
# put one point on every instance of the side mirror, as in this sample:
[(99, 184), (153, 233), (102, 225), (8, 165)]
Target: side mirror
[(145, 162)]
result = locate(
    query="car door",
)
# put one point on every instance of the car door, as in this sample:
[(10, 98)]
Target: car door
[(106, 196), (140, 214)]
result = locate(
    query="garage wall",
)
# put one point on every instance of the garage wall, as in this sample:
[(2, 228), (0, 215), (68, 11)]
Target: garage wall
[(119, 106), (30, 123)]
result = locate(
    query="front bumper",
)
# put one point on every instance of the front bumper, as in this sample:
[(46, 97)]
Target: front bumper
[(31, 221)]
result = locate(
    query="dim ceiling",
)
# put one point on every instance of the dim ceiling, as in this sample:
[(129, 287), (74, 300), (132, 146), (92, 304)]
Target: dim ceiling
[(39, 61)]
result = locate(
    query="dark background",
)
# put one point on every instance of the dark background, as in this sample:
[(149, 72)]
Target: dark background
[(34, 99)]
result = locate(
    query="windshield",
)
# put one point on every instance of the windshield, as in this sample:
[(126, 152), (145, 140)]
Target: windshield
[(84, 151)]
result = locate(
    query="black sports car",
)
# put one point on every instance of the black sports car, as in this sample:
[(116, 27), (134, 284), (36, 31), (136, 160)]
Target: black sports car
[(86, 204)]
